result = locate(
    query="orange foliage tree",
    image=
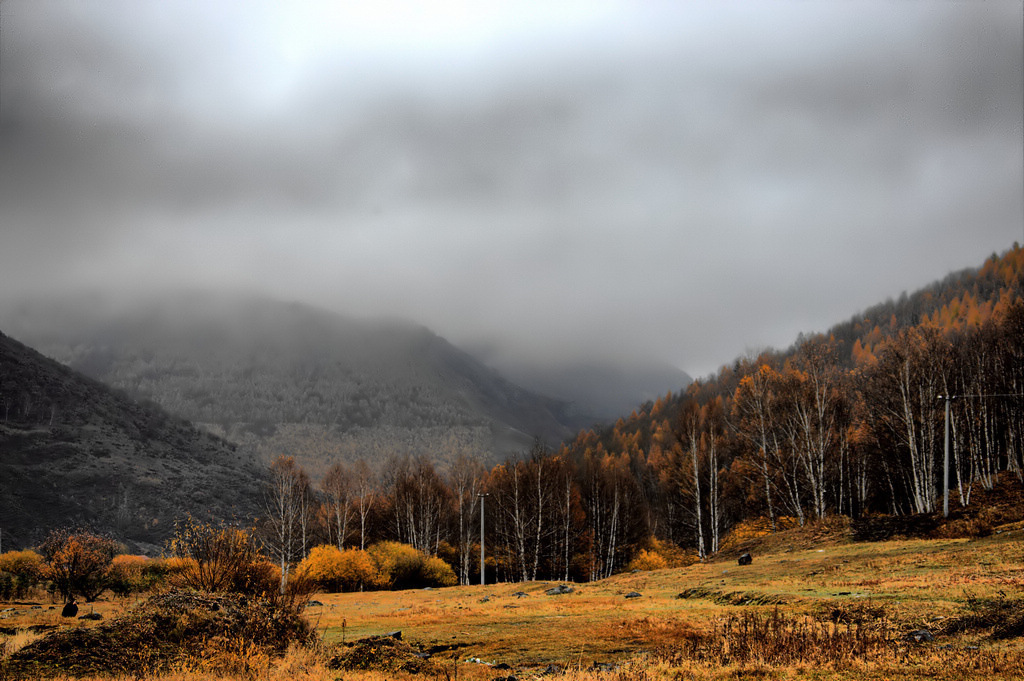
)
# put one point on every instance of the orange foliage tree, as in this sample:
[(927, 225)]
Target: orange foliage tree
[(77, 562)]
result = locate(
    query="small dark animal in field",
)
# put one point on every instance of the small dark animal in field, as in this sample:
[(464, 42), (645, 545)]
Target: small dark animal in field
[(745, 559), (70, 609)]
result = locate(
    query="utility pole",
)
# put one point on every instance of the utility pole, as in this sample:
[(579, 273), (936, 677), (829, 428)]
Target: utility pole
[(482, 573), (945, 460)]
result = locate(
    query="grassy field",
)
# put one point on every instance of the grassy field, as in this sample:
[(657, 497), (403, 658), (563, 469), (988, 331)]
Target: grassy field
[(813, 606)]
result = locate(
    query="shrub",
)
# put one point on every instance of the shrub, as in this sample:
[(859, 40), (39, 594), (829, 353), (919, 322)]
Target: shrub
[(661, 554), (20, 571), (436, 572), (647, 560), (218, 559), (330, 569), (77, 562), (127, 575), (400, 566), (395, 564)]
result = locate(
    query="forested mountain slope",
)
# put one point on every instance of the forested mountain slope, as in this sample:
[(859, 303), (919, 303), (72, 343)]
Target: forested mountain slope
[(284, 378), (850, 422), (73, 451)]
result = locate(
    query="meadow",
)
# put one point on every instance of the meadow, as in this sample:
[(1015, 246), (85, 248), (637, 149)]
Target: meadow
[(813, 604)]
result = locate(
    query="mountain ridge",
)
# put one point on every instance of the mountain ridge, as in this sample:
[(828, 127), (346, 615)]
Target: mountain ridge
[(77, 452), (288, 378)]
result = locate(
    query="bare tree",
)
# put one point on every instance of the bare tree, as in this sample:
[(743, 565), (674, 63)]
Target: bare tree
[(364, 487), (285, 502), (466, 482), (337, 489)]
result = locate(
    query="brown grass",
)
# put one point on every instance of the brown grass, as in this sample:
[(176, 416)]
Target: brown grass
[(841, 610)]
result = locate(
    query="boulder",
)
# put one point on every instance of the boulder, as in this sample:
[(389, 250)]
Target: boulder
[(633, 594), (920, 636), (560, 589), (745, 559)]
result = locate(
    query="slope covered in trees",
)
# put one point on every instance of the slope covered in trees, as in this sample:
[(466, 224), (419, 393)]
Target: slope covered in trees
[(287, 378), (73, 451), (846, 423)]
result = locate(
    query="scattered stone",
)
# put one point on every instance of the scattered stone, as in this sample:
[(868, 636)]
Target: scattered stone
[(314, 604), (485, 599), (920, 636), (745, 559), (633, 594), (604, 667), (502, 666), (560, 589), (91, 616), (552, 669), (397, 635), (37, 607), (520, 594)]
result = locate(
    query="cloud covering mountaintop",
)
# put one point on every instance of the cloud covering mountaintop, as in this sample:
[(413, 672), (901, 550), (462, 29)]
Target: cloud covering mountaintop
[(618, 181)]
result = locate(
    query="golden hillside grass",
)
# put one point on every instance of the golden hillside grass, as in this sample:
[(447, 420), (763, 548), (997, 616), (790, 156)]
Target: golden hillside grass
[(839, 610)]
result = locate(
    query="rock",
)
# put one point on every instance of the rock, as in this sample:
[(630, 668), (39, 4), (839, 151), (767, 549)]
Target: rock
[(560, 589), (91, 616), (745, 559), (485, 599), (552, 669), (314, 604), (520, 594), (397, 635), (920, 636), (633, 594), (501, 666)]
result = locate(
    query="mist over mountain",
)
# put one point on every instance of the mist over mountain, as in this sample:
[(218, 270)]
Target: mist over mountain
[(76, 452), (598, 391), (286, 378)]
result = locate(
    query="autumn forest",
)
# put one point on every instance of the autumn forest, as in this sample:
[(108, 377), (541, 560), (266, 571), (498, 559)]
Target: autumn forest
[(851, 422)]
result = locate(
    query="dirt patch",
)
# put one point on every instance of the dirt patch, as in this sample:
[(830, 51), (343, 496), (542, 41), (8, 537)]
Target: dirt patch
[(166, 629), (381, 653)]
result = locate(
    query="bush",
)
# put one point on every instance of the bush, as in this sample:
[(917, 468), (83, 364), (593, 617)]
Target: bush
[(77, 562), (661, 554), (330, 569), (436, 572), (400, 566), (20, 572), (647, 560), (219, 559), (127, 575)]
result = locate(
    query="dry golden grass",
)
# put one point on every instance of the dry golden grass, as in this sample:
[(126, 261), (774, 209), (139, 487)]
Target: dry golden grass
[(827, 592)]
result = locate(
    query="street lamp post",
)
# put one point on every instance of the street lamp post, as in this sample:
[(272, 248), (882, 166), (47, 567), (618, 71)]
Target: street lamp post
[(482, 573)]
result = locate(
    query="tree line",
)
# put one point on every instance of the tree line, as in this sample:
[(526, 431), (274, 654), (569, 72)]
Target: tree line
[(852, 425)]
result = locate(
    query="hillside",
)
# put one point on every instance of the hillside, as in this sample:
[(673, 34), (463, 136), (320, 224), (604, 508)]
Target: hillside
[(77, 452), (287, 378)]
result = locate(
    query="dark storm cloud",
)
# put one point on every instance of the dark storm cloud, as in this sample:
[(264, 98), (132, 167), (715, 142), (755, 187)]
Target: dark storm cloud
[(680, 183)]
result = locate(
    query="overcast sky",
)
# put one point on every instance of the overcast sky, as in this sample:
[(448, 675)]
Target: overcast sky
[(677, 181)]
